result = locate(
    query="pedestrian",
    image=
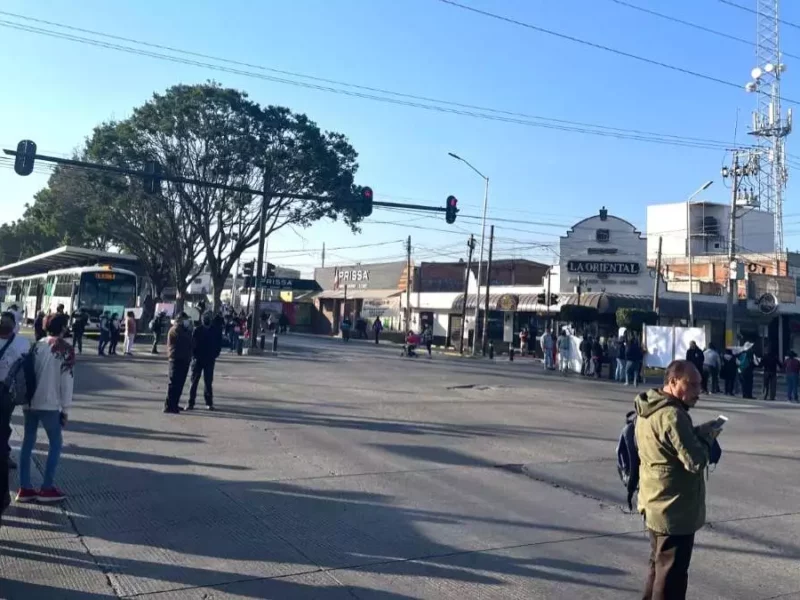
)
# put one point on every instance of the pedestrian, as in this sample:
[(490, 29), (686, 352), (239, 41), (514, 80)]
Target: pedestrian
[(377, 327), (283, 324), (130, 333), (53, 362), (206, 346), (157, 327), (563, 344), (746, 364), (38, 326), (770, 364), (792, 368), (673, 458), (523, 342), (427, 338), (622, 358), (18, 316), (179, 355), (585, 348), (346, 326), (633, 362), (695, 356), (79, 320), (113, 333), (105, 332), (12, 347), (597, 357), (728, 372), (711, 365), (546, 342)]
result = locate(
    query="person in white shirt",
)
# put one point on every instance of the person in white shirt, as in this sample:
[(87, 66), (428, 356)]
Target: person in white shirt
[(17, 313), (54, 360)]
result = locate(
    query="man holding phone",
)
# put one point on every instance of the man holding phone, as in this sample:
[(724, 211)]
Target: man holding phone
[(672, 496)]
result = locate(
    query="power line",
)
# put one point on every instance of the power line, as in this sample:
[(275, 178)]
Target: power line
[(401, 99), (755, 12), (703, 28), (597, 46)]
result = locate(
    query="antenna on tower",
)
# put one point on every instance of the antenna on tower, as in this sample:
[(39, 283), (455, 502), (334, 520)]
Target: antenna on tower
[(769, 127)]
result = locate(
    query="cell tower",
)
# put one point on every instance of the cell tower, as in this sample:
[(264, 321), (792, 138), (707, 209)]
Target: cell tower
[(769, 126)]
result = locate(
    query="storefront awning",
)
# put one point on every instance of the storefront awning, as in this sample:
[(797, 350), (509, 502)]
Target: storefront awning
[(358, 294), (496, 302), (606, 303)]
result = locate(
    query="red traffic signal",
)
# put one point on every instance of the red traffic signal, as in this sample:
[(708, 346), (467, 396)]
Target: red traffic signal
[(366, 202), (451, 210)]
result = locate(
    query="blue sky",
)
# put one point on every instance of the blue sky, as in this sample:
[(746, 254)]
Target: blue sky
[(56, 91)]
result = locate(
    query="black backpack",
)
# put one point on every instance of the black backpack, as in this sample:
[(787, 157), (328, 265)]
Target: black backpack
[(628, 456), (20, 383)]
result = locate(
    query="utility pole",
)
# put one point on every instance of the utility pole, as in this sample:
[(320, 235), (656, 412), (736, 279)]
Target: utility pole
[(323, 255), (657, 283), (471, 246), (547, 298), (732, 266), (486, 299), (408, 283), (262, 233)]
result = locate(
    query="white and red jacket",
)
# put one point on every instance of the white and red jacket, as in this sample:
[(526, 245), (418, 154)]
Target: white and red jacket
[(54, 360)]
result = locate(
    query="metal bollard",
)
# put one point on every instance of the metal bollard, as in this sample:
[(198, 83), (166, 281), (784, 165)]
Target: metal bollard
[(491, 351), (263, 341), (511, 353), (274, 342), (239, 346)]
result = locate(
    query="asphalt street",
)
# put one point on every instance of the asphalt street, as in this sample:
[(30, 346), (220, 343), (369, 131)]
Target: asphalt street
[(341, 471)]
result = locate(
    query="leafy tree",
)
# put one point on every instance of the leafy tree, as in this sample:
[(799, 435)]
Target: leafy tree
[(578, 314), (209, 133), (635, 318)]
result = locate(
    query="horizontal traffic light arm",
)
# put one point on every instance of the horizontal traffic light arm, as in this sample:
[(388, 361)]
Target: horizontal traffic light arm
[(209, 184)]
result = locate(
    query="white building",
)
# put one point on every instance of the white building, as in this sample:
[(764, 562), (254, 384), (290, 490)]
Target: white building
[(709, 224)]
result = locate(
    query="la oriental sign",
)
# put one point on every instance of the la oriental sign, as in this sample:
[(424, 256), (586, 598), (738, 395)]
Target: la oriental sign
[(599, 267)]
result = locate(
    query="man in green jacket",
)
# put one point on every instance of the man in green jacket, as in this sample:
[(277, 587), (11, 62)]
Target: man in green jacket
[(672, 494)]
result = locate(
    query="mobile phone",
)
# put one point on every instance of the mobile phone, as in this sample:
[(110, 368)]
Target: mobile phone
[(719, 422)]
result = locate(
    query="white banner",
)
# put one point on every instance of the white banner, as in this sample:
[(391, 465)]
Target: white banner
[(665, 344), (383, 308)]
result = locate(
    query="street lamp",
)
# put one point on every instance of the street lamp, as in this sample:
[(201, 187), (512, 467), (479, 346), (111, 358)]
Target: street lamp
[(702, 188), (480, 262)]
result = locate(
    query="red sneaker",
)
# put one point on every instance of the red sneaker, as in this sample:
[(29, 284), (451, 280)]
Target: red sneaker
[(52, 494), (26, 495)]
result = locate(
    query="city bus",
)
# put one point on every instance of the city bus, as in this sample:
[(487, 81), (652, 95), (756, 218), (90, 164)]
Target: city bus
[(93, 289)]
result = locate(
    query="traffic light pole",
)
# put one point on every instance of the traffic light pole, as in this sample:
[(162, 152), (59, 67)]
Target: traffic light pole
[(262, 234), (471, 246), (484, 334)]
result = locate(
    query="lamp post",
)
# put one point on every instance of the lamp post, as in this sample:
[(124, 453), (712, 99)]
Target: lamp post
[(702, 188), (483, 238)]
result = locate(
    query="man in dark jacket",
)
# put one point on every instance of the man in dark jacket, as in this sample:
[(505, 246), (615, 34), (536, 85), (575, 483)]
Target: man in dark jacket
[(695, 356), (79, 320), (673, 456), (179, 353), (770, 364), (206, 346), (157, 327)]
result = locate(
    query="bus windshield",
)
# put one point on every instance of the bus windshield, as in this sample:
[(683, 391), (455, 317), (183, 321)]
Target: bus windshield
[(105, 289)]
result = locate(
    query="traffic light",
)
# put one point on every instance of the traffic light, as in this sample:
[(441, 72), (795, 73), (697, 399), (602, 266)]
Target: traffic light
[(26, 154), (270, 270), (366, 202), (152, 177), (451, 210), (248, 267)]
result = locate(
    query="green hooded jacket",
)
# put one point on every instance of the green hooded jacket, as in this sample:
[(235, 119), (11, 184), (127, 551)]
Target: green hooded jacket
[(673, 455)]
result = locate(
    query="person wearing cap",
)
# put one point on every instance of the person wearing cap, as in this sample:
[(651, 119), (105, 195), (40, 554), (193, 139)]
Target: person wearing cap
[(179, 354)]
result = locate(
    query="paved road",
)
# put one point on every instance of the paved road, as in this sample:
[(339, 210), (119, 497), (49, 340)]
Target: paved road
[(338, 471)]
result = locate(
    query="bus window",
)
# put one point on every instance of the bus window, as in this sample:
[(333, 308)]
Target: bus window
[(100, 289)]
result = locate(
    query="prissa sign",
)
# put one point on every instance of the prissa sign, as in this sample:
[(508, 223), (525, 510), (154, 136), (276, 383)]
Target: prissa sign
[(354, 277), (599, 267)]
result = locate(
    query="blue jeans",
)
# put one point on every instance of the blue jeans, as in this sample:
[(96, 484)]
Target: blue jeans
[(51, 421), (619, 374), (234, 340), (791, 384), (632, 372)]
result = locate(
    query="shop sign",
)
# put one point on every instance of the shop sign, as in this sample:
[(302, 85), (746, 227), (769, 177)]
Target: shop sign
[(384, 308), (767, 304), (351, 277), (508, 302), (603, 267)]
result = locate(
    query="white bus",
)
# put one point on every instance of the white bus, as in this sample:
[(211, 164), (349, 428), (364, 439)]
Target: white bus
[(93, 289)]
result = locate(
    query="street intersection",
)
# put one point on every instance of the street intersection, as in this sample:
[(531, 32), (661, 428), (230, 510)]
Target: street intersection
[(339, 470)]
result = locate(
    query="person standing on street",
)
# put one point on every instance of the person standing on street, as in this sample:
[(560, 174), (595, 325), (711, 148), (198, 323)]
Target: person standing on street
[(792, 368), (747, 365), (12, 347), (427, 338), (597, 357), (179, 354), (563, 344), (206, 345), (728, 371), (633, 361), (770, 364), (673, 458), (130, 333), (79, 320), (345, 327), (711, 365), (546, 342), (38, 326), (377, 327), (157, 327), (695, 356), (53, 363), (113, 333), (622, 349), (585, 348), (105, 332)]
